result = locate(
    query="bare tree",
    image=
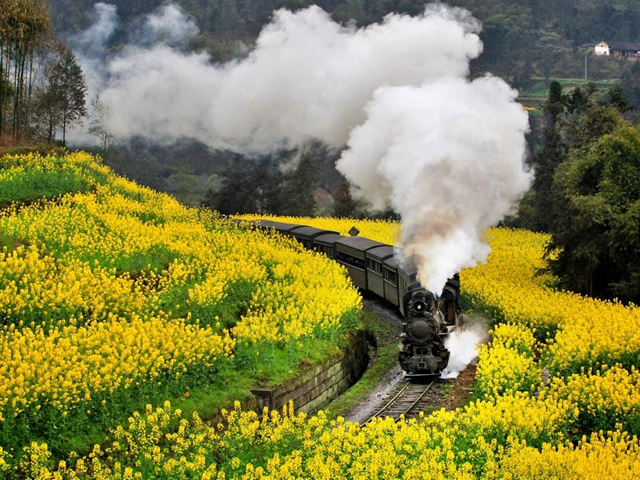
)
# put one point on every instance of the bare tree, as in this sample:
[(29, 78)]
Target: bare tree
[(98, 125)]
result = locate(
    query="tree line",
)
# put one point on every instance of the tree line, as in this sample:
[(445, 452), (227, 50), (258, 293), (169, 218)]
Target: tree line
[(586, 192), (42, 88), (272, 186), (522, 38)]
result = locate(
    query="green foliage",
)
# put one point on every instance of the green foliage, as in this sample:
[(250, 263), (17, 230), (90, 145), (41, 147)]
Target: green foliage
[(630, 85), (28, 182), (68, 90), (30, 185), (262, 187), (599, 237), (547, 160)]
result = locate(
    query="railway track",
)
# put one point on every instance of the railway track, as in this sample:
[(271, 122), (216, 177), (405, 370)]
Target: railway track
[(409, 401)]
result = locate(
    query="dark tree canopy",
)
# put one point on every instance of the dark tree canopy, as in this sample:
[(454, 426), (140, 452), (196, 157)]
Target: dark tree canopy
[(630, 85), (262, 187), (547, 160), (345, 205), (598, 235), (521, 38)]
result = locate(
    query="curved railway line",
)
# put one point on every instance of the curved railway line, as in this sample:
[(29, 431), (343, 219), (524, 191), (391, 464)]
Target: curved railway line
[(409, 401)]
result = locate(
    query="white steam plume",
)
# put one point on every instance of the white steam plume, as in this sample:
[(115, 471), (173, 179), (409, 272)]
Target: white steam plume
[(445, 152), (448, 157), (89, 46), (463, 345), (168, 25)]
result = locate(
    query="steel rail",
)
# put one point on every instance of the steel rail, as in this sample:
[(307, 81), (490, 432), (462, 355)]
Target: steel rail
[(398, 397)]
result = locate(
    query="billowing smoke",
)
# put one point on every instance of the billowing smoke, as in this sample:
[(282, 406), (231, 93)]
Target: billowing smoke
[(168, 25), (444, 152), (448, 157), (463, 346), (89, 46)]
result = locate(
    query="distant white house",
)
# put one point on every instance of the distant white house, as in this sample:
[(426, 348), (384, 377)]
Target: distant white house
[(630, 51)]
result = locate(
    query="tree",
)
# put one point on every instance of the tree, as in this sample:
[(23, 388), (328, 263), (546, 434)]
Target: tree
[(68, 90), (24, 27), (630, 85), (547, 160), (299, 190), (237, 195), (98, 125), (344, 205), (597, 241), (552, 52)]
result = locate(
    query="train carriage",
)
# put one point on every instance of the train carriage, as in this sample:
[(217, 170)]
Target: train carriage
[(390, 273), (375, 258), (351, 252), (280, 227), (325, 243)]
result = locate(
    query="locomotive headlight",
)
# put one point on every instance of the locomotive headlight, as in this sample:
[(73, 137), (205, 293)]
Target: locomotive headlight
[(419, 306)]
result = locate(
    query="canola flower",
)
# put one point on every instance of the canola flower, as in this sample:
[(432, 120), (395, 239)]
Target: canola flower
[(35, 288), (30, 177), (607, 400), (170, 265), (585, 332), (383, 231), (109, 287), (66, 367), (160, 443), (614, 456)]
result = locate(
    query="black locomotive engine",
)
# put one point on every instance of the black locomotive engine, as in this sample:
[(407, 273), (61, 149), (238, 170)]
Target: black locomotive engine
[(427, 322)]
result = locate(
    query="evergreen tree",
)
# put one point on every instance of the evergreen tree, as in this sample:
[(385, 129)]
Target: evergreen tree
[(344, 205), (238, 194), (299, 195), (546, 161), (68, 91)]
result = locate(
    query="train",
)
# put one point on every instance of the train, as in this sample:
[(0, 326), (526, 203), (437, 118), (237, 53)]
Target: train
[(374, 267)]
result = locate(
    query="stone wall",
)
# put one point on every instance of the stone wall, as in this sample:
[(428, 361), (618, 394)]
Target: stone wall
[(315, 388)]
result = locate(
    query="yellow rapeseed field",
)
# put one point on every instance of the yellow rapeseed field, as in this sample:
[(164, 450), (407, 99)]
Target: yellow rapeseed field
[(167, 277), (110, 292)]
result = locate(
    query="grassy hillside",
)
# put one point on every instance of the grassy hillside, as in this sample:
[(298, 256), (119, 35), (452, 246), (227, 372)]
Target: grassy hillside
[(113, 296)]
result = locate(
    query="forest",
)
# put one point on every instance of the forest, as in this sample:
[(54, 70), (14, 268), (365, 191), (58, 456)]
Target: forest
[(521, 38)]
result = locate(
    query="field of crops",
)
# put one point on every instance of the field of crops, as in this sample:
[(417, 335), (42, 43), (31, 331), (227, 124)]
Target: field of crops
[(113, 296), (105, 291)]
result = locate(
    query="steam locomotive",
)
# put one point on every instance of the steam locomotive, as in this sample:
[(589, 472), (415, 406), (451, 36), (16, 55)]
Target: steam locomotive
[(374, 267)]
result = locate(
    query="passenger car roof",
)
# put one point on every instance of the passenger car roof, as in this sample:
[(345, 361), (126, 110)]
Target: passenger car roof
[(358, 243)]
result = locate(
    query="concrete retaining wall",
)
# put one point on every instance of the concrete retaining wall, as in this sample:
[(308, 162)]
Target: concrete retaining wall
[(317, 387)]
